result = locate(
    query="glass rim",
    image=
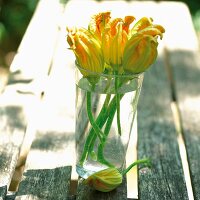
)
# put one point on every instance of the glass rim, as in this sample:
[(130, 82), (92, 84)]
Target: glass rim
[(108, 75)]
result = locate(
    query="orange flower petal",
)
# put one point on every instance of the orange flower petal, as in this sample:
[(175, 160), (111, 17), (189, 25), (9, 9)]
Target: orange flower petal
[(127, 21), (98, 23), (142, 23)]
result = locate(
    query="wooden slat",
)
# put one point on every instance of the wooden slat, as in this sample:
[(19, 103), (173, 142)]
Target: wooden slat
[(33, 59), (165, 180), (13, 122), (186, 69), (85, 192), (32, 63), (10, 196), (53, 145), (157, 140), (45, 184), (50, 149)]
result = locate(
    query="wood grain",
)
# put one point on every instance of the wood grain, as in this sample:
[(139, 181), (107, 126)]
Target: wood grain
[(53, 146), (45, 184), (34, 56), (157, 140), (85, 192), (186, 68), (13, 121)]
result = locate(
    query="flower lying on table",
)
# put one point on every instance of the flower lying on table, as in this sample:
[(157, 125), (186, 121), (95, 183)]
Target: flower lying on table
[(108, 179), (111, 47)]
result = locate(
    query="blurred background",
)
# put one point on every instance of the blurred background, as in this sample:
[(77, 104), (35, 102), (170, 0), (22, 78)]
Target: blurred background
[(16, 14), (14, 19)]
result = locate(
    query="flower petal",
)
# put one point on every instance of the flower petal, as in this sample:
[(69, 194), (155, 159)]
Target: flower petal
[(127, 21), (98, 23), (105, 180)]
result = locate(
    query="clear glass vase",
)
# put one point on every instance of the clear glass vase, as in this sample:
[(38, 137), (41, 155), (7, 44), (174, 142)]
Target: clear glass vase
[(105, 110)]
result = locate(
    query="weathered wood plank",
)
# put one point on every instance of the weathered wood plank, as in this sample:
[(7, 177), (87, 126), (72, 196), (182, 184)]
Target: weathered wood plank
[(3, 191), (10, 196), (32, 63), (157, 140), (34, 56), (51, 148), (85, 192), (53, 145), (186, 68), (45, 184), (166, 179), (13, 122)]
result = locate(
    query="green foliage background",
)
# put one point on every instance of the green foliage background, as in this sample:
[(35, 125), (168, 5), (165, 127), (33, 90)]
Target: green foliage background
[(194, 6), (14, 18)]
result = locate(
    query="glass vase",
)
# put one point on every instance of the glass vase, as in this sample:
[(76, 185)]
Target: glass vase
[(105, 110)]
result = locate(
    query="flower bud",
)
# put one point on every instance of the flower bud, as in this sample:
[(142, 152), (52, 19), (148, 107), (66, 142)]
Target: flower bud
[(113, 43), (87, 50), (105, 180), (140, 52)]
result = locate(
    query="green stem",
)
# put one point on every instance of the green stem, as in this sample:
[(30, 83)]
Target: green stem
[(100, 156), (86, 149), (111, 115), (142, 161), (91, 135), (96, 128), (106, 111), (118, 114), (117, 103), (101, 119)]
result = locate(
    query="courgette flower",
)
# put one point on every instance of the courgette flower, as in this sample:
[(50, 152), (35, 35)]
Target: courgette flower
[(108, 179), (140, 52), (112, 44), (141, 48), (87, 50), (114, 39), (105, 180), (98, 22)]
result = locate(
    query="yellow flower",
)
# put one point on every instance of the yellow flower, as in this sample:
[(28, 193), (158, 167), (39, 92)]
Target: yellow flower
[(87, 50), (105, 180), (98, 23), (127, 22), (141, 48), (145, 26), (112, 44), (114, 40), (140, 52)]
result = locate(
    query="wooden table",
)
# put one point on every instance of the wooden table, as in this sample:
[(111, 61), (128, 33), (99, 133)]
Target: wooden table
[(37, 109)]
